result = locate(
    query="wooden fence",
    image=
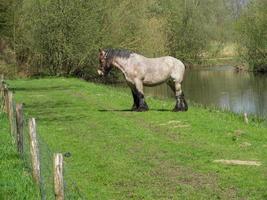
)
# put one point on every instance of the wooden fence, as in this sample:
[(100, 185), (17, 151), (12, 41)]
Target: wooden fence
[(16, 121)]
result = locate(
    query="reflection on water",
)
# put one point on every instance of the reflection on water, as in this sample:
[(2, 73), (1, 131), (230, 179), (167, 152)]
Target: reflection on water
[(223, 87)]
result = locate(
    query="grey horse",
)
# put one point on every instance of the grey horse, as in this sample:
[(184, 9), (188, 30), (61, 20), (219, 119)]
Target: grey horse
[(140, 71)]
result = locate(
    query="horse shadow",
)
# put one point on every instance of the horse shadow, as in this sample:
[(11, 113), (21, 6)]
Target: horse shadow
[(129, 110)]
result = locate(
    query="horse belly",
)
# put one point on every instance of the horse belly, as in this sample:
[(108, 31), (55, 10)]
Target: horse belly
[(155, 79)]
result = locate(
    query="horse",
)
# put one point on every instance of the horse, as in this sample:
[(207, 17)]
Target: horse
[(141, 71)]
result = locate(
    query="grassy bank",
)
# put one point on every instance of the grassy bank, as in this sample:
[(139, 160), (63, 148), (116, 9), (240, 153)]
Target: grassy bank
[(221, 54), (15, 180), (118, 154)]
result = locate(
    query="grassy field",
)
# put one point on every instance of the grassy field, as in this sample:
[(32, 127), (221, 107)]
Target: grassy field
[(15, 180), (118, 154)]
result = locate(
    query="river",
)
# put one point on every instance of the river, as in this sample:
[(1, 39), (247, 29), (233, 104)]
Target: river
[(222, 87)]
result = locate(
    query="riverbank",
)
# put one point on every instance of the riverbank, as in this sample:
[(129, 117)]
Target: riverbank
[(219, 55), (119, 154)]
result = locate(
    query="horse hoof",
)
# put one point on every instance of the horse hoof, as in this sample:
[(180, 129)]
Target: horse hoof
[(134, 108), (142, 109), (179, 109)]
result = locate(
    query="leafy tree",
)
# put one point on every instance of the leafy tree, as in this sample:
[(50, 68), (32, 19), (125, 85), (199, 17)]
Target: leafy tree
[(252, 29), (63, 36)]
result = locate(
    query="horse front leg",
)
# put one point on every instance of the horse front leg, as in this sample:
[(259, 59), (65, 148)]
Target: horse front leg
[(181, 104), (140, 95), (135, 100)]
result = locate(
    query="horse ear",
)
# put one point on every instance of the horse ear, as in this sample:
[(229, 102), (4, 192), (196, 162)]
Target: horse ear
[(101, 51)]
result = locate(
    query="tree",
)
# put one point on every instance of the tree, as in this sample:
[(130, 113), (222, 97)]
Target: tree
[(252, 29)]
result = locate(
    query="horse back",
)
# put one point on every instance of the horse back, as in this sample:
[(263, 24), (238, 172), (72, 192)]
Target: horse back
[(157, 70)]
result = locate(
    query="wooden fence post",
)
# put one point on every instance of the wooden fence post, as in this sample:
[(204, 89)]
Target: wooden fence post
[(9, 102), (11, 114), (1, 86), (5, 98), (58, 176), (34, 151), (246, 118), (19, 121), (2, 78)]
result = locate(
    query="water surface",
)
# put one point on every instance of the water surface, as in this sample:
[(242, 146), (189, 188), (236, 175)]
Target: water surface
[(223, 87)]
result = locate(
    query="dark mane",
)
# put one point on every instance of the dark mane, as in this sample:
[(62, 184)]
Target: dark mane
[(122, 53)]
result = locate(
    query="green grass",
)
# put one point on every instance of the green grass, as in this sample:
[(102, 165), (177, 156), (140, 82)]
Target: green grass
[(15, 180), (118, 154)]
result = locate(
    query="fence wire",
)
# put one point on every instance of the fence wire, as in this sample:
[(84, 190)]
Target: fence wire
[(71, 189)]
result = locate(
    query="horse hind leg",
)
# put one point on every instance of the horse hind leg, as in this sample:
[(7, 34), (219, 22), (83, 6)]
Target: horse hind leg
[(181, 104)]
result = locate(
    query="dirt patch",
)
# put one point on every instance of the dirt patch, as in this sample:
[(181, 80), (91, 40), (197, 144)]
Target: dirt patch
[(169, 177), (175, 124), (182, 126), (238, 162), (171, 122), (245, 144)]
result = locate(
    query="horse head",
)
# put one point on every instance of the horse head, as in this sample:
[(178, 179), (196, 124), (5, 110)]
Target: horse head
[(105, 64)]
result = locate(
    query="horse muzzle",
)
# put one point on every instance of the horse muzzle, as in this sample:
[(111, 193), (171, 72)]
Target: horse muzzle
[(100, 73)]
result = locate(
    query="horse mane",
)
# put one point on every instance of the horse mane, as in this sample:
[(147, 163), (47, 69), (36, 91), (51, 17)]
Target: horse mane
[(122, 53)]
